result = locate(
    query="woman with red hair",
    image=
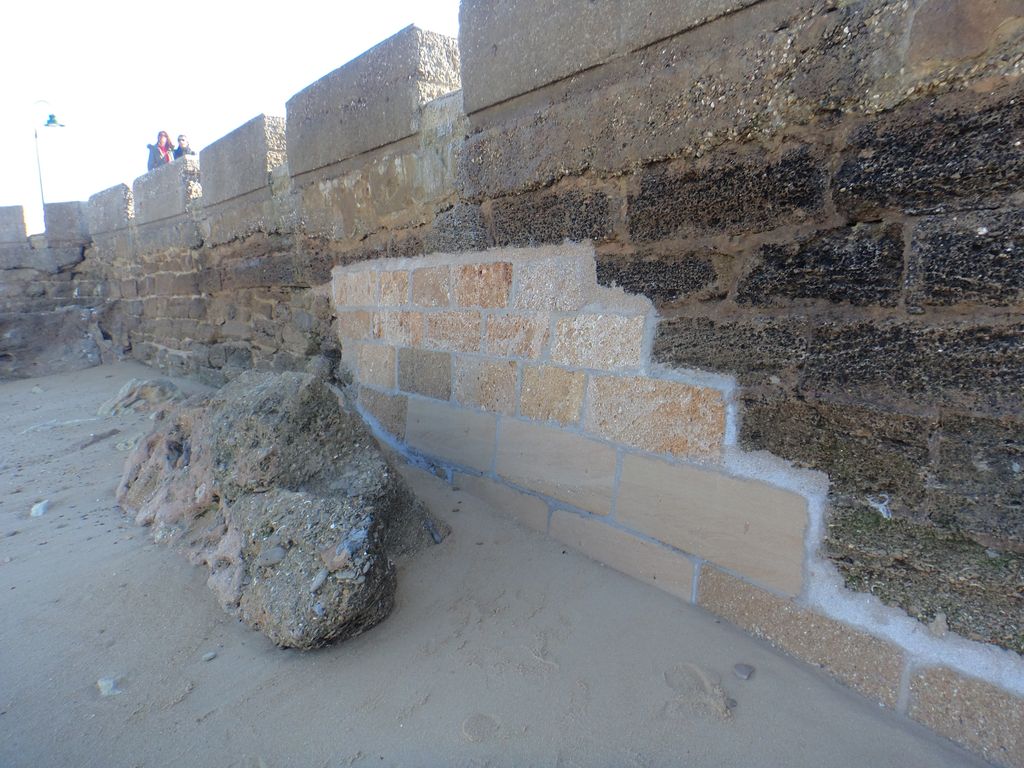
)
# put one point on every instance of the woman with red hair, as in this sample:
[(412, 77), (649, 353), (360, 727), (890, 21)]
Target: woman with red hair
[(160, 153)]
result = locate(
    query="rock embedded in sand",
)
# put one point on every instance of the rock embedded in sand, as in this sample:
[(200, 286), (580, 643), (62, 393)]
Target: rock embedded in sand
[(283, 494)]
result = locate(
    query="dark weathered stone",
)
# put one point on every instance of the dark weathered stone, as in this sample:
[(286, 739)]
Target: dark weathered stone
[(934, 157), (267, 270), (754, 350), (976, 256), (926, 571), (865, 451), (861, 265), (728, 193), (47, 342), (964, 365), (977, 483), (460, 228), (550, 217), (662, 276)]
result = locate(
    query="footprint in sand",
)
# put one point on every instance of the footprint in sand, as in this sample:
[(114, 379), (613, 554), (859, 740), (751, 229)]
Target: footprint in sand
[(697, 690), (479, 728)]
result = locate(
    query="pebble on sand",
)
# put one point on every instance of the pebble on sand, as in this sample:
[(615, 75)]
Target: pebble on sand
[(39, 508), (210, 656), (743, 671), (108, 686)]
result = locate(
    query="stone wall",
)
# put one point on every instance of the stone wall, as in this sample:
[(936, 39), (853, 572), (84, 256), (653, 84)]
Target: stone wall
[(803, 213)]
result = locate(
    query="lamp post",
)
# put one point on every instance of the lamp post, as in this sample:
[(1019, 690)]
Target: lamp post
[(51, 122)]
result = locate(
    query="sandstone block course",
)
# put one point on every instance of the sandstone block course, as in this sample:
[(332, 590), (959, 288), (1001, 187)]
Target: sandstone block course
[(566, 467), (556, 279), (460, 331), (656, 415), (517, 335), (463, 437), (868, 665), (750, 527), (399, 328), (528, 510), (483, 285), (552, 394), (376, 365), (355, 289), (356, 324), (487, 384), (425, 372), (394, 288), (607, 342), (655, 564), (390, 410), (431, 286)]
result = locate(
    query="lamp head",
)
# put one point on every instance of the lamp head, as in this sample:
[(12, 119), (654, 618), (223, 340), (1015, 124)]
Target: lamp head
[(51, 122)]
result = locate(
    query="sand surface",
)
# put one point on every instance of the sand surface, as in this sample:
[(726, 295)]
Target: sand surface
[(503, 649)]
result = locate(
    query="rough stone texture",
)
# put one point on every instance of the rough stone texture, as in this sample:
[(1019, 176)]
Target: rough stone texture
[(425, 372), (606, 342), (460, 228), (284, 496), (656, 416), (653, 563), (398, 328), (742, 193), (389, 410), (394, 288), (862, 265), (66, 224), (537, 218), (976, 256), (431, 286), (866, 664), (483, 285), (110, 210), (43, 343), (517, 335), (460, 331), (662, 277), (373, 100), (552, 394), (487, 384), (12, 225), (376, 365), (554, 280), (978, 715), (242, 161), (167, 192), (749, 527)]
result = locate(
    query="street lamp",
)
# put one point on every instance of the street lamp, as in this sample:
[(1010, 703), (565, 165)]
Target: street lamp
[(51, 122)]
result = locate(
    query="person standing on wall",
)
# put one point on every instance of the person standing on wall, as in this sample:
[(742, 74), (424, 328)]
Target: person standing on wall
[(160, 153), (183, 148)]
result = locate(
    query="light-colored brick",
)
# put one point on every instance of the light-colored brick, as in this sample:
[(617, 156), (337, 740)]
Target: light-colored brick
[(394, 288), (487, 384), (747, 526), (560, 283), (868, 665), (483, 285), (643, 560), (605, 342), (355, 289), (458, 435), (564, 466), (657, 416), (425, 372), (376, 364), (552, 394), (399, 328), (355, 324), (431, 287), (389, 410), (456, 331), (972, 712), (528, 510), (518, 335)]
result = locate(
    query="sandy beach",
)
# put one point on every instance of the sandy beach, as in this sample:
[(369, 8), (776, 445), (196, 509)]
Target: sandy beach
[(504, 649)]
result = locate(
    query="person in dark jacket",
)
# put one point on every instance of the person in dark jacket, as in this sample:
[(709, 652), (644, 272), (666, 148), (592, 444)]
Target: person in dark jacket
[(160, 153), (183, 148)]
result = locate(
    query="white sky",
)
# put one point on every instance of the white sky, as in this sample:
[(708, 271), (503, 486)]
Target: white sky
[(117, 72)]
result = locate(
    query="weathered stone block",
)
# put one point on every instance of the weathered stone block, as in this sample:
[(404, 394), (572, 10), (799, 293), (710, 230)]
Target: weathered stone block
[(425, 372), (242, 161), (749, 527), (753, 350), (463, 437), (66, 224), (394, 288), (355, 325), (605, 342), (976, 256), (861, 265), (431, 286), (12, 225), (536, 218), (166, 192), (974, 366), (487, 384), (660, 276), (564, 466), (656, 415), (516, 47), (555, 278), (354, 289), (528, 510), (460, 228), (517, 335), (728, 193), (376, 365), (399, 328), (643, 560), (371, 101), (389, 410), (974, 713), (459, 331), (552, 394), (483, 285), (932, 156)]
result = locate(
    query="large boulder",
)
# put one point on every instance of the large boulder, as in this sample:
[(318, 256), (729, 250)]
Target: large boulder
[(280, 490)]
